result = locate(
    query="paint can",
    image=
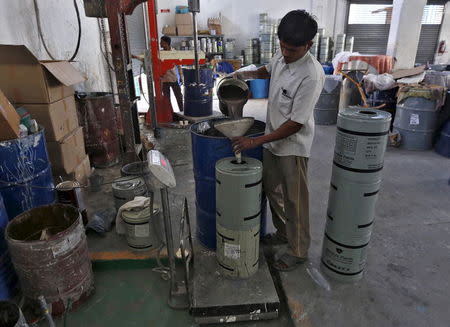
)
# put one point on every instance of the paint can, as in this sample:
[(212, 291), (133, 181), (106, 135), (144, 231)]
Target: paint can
[(49, 251), (70, 192), (142, 228), (126, 188), (11, 315)]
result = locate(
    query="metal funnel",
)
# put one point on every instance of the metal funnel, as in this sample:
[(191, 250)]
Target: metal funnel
[(235, 128)]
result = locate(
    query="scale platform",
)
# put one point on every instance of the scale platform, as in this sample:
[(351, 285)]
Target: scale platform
[(217, 299)]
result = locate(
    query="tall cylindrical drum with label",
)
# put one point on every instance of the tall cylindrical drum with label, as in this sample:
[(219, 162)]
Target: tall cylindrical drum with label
[(238, 209), (361, 140)]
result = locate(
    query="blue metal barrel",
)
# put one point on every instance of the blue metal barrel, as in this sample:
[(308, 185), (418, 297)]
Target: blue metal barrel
[(25, 174), (206, 76), (443, 143), (207, 149), (8, 278), (198, 100)]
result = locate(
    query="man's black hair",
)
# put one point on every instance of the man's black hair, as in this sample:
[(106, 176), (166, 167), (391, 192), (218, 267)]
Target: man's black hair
[(166, 39), (297, 28)]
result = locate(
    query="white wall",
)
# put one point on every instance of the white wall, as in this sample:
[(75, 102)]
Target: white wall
[(445, 36), (59, 23), (241, 18)]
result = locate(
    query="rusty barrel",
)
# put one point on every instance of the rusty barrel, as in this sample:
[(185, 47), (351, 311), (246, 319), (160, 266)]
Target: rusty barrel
[(49, 251), (97, 115)]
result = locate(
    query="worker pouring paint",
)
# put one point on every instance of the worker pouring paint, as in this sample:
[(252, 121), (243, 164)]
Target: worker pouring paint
[(297, 80), (169, 79)]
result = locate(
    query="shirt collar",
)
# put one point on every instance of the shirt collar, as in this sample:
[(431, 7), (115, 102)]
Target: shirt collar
[(293, 65)]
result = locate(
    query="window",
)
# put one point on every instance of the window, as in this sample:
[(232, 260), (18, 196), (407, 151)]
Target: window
[(369, 14)]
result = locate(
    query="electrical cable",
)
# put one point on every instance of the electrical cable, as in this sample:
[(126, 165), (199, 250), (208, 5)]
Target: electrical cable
[(41, 36)]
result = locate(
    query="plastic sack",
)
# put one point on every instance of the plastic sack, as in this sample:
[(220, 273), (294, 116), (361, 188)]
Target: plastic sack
[(381, 82)]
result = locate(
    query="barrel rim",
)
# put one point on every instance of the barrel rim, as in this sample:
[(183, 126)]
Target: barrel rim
[(19, 218), (220, 137)]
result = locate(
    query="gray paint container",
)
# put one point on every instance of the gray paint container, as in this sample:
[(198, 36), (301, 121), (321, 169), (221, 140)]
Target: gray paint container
[(126, 188), (238, 204), (361, 141), (326, 110)]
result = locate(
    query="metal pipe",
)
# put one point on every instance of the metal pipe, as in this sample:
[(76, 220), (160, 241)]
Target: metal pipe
[(197, 70), (169, 241)]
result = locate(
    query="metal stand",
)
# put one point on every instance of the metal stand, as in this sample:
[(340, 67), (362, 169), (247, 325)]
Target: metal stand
[(178, 295)]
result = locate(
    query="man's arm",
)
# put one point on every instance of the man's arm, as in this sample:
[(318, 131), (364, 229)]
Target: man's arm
[(260, 73), (285, 130)]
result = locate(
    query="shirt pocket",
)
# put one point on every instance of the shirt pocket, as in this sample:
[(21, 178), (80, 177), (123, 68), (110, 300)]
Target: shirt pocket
[(285, 105)]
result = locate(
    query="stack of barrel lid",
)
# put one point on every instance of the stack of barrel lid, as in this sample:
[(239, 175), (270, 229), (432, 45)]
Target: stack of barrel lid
[(248, 52), (327, 107), (266, 37)]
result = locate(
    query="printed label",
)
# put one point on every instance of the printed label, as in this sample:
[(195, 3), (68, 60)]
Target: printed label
[(156, 158), (232, 251), (142, 230), (414, 119)]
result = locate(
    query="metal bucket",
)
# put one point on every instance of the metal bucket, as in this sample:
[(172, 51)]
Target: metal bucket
[(207, 149), (11, 315), (142, 228), (416, 120), (49, 251), (197, 100), (327, 107), (126, 188), (232, 89), (71, 193), (97, 115), (26, 171)]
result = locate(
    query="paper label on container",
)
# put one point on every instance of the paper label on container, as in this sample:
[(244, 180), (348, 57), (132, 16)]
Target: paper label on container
[(142, 230), (414, 119), (232, 251)]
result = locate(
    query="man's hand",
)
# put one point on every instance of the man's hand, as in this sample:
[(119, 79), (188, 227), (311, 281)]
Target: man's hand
[(243, 143)]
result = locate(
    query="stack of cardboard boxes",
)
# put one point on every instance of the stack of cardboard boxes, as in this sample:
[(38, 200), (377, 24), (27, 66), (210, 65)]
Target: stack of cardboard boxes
[(45, 90), (185, 25)]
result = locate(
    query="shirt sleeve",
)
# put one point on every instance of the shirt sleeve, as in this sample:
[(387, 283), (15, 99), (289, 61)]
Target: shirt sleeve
[(305, 99)]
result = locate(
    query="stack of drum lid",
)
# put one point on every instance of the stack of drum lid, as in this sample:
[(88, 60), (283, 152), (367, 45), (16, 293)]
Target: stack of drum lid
[(229, 49), (339, 45), (324, 49), (255, 46), (266, 38), (349, 41), (248, 53), (315, 47), (361, 141), (126, 188)]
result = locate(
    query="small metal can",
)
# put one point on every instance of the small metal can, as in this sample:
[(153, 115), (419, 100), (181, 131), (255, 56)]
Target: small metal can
[(70, 192)]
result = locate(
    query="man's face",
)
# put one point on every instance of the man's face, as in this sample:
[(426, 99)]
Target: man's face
[(293, 53), (164, 45)]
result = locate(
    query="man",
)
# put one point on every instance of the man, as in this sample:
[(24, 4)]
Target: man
[(297, 80), (170, 80)]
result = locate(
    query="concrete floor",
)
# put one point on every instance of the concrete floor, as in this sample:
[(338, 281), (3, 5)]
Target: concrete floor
[(406, 282)]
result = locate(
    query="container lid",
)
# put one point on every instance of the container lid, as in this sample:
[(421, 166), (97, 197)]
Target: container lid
[(128, 183), (139, 214), (248, 166), (364, 120), (67, 185)]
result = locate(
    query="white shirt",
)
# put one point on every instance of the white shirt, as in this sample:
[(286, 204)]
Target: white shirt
[(293, 94)]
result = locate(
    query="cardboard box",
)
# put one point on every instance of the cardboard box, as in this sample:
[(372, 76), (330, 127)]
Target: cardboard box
[(68, 153), (25, 79), (183, 19), (9, 120), (58, 118), (169, 30), (185, 30)]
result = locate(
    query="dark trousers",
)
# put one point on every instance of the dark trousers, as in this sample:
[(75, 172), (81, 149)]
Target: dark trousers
[(176, 90)]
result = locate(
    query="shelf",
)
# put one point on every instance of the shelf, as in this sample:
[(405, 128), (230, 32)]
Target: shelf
[(199, 36)]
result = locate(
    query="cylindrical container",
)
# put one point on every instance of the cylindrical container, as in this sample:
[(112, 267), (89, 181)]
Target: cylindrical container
[(349, 42), (198, 100), (387, 99), (443, 143), (49, 251), (324, 49), (229, 48), (361, 141), (97, 115), (327, 107), (315, 47), (209, 146), (416, 120), (141, 228), (126, 188), (11, 315), (238, 216), (260, 88), (70, 192), (206, 76), (232, 92), (25, 165), (8, 278)]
